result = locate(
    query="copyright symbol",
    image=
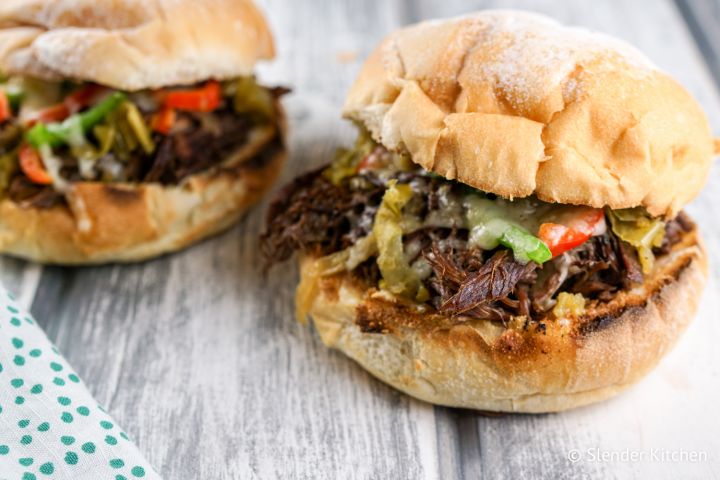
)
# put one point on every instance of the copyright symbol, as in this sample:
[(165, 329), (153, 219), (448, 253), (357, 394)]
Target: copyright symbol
[(574, 456)]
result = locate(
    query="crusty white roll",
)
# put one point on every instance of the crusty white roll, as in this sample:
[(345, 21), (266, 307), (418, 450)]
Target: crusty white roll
[(134, 45), (516, 104)]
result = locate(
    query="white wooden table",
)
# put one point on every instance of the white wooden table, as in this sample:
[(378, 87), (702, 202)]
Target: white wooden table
[(199, 357)]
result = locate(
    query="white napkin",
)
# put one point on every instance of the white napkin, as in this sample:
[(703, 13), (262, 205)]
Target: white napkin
[(50, 425)]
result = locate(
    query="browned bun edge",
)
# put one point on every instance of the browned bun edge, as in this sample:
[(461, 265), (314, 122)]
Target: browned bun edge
[(483, 365)]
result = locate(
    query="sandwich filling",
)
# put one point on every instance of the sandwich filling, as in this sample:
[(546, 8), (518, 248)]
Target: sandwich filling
[(441, 244), (53, 134)]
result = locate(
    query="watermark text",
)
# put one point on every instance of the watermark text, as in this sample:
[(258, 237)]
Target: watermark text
[(627, 455)]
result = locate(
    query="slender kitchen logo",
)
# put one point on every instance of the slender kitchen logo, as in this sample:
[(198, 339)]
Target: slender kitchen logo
[(661, 455)]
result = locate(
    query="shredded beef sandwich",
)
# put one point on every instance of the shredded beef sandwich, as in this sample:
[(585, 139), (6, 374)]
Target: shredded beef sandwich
[(464, 252), (143, 139), (507, 232)]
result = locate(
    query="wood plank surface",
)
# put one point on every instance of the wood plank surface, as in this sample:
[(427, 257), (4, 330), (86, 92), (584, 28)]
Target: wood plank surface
[(198, 356), (703, 20)]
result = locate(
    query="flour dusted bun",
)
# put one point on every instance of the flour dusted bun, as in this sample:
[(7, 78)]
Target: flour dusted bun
[(518, 368), (516, 104), (132, 44)]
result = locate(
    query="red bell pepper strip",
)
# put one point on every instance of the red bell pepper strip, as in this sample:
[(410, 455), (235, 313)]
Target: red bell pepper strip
[(204, 99), (56, 113), (83, 97), (5, 108), (56, 134), (163, 121), (560, 238), (371, 161), (571, 230), (32, 166), (73, 103)]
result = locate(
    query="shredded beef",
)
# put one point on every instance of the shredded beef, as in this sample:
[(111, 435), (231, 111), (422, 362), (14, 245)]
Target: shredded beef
[(629, 257), (474, 291), (23, 191), (312, 214), (196, 147), (673, 232), (597, 269), (199, 142)]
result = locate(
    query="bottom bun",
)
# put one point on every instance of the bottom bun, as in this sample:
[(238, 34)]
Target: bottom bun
[(521, 367), (113, 222)]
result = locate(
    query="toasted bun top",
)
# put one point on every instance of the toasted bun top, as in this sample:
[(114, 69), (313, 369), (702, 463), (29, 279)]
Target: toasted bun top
[(132, 44), (516, 104)]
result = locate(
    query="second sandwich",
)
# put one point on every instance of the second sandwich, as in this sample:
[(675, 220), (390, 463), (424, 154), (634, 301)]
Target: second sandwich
[(130, 129)]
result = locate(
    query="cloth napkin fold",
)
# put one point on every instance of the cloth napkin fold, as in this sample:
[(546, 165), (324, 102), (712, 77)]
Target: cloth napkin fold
[(50, 425)]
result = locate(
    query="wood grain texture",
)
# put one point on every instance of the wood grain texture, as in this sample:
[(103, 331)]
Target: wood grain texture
[(197, 354), (703, 19)]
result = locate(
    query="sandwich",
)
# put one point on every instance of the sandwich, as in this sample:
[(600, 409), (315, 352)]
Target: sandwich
[(131, 128), (507, 232)]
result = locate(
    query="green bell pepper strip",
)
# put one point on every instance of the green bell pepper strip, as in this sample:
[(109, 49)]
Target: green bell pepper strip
[(14, 95), (524, 245), (57, 134), (490, 228)]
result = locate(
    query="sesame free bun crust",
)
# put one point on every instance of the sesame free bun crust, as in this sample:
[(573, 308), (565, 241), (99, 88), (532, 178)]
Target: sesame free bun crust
[(132, 44), (116, 222), (516, 104), (483, 365)]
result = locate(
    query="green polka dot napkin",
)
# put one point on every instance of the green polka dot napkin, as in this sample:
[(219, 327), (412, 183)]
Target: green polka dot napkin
[(50, 425)]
